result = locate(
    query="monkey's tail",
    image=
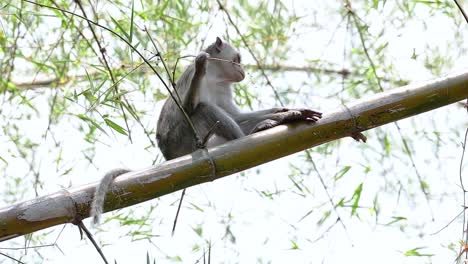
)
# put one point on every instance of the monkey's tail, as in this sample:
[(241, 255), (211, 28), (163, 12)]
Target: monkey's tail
[(100, 193)]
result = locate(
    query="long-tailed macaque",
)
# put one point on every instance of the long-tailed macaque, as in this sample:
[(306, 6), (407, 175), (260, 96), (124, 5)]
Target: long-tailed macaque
[(206, 94), (205, 91)]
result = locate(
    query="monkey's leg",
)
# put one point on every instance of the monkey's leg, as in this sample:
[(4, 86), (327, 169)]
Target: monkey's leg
[(264, 119), (287, 116), (247, 121)]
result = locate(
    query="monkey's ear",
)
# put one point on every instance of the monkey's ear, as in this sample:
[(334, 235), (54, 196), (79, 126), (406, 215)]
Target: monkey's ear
[(219, 44)]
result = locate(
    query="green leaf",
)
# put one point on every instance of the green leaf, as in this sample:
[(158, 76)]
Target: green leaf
[(387, 145), (92, 122), (131, 22), (294, 245), (4, 160), (325, 216), (341, 203), (396, 219), (356, 197), (176, 259), (198, 230), (198, 208), (116, 127), (341, 173), (121, 28), (415, 253), (424, 186)]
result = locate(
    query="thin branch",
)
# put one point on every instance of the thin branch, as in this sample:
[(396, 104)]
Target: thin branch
[(327, 230), (272, 67), (237, 155), (178, 211), (461, 160), (465, 230), (82, 227), (102, 50), (461, 10), (12, 258), (172, 80), (259, 65), (448, 224), (137, 118), (460, 7), (80, 32), (189, 121), (379, 83), (324, 186)]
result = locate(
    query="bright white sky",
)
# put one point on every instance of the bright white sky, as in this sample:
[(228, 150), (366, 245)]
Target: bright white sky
[(265, 228)]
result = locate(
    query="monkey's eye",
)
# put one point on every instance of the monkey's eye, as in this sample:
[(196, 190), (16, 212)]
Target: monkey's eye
[(237, 59)]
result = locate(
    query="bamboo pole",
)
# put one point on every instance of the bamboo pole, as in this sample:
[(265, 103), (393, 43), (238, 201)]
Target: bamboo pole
[(65, 206)]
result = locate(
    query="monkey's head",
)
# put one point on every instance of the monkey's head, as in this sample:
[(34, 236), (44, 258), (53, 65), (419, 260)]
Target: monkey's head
[(228, 68)]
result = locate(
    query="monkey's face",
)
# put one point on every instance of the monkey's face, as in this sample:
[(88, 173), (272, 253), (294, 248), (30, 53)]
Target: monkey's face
[(228, 65), (233, 70)]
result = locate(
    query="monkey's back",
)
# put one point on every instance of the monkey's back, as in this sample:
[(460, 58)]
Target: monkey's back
[(173, 133)]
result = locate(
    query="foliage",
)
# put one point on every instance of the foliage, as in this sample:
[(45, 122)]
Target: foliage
[(77, 101)]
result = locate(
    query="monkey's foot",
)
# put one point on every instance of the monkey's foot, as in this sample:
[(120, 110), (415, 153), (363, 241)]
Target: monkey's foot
[(285, 115), (358, 136), (301, 114)]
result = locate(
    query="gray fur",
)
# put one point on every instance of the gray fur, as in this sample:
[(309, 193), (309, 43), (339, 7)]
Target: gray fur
[(100, 193), (205, 91), (206, 94)]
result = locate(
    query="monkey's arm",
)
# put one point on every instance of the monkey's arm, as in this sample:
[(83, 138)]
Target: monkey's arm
[(209, 117), (191, 99)]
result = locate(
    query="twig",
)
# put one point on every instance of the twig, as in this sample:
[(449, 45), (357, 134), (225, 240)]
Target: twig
[(466, 19), (178, 211), (379, 84), (177, 62), (272, 67), (259, 65), (451, 221), (12, 258), (147, 133), (327, 230), (324, 186), (82, 228), (102, 50), (189, 121), (464, 229), (461, 10), (172, 80), (461, 160), (209, 252)]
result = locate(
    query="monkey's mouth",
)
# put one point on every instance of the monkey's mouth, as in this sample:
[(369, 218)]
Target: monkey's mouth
[(242, 73), (239, 76), (239, 70)]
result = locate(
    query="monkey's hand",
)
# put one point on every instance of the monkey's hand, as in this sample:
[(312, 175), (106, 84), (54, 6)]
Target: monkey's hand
[(200, 62)]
